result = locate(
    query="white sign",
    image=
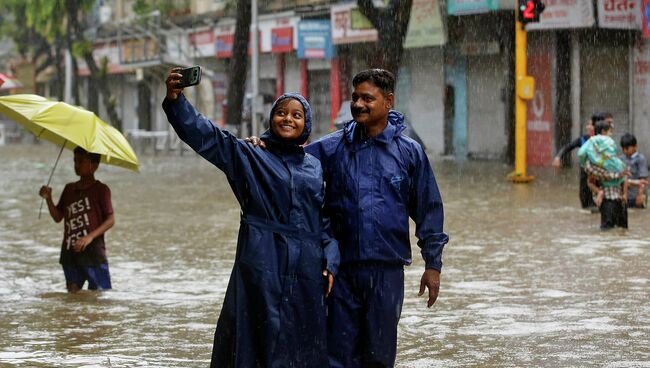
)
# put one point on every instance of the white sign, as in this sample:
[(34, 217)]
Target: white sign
[(562, 14), (619, 14), (342, 31), (202, 43)]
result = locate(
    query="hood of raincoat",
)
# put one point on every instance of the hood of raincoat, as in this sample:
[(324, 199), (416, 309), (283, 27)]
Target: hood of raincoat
[(273, 141), (395, 118)]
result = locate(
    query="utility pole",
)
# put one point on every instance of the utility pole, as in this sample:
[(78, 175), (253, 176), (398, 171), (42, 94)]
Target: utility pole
[(527, 11)]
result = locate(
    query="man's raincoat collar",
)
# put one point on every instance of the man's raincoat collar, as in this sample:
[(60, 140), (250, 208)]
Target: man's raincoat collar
[(394, 128)]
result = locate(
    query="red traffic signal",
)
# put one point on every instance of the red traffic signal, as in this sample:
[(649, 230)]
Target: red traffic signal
[(529, 10)]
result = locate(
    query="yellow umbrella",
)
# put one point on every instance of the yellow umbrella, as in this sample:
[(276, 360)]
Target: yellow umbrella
[(69, 126), (59, 123)]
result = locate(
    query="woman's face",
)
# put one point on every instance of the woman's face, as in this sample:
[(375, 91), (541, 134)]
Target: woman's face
[(288, 120)]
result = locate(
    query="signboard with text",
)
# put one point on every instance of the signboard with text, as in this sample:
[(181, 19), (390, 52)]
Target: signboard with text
[(619, 14), (202, 43), (563, 14), (425, 25), (315, 40), (342, 29), (282, 40), (460, 7)]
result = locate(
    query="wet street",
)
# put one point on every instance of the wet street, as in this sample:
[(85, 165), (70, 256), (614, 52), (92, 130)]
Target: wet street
[(528, 278)]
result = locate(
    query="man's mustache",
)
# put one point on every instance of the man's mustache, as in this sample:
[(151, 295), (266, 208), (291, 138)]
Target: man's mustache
[(359, 111)]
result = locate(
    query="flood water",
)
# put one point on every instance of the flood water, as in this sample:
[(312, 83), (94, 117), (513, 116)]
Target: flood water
[(528, 278)]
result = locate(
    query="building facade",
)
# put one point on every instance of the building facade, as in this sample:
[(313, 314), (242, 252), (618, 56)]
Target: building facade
[(455, 83)]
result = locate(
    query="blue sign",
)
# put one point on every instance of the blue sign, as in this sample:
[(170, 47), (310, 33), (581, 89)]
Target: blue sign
[(315, 39), (460, 7)]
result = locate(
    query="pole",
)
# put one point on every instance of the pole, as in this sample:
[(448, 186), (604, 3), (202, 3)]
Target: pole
[(254, 68), (67, 93), (50, 178), (523, 92)]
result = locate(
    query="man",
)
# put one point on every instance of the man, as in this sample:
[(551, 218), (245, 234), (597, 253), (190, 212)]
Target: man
[(376, 178), (586, 199)]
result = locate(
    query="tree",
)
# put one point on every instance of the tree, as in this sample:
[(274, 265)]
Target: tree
[(391, 23), (75, 9), (239, 63), (36, 30), (39, 33)]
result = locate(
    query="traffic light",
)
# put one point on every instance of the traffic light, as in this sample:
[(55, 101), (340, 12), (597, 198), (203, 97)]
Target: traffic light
[(529, 10)]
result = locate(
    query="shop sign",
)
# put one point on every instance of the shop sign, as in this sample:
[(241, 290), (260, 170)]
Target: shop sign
[(343, 30), (315, 39), (460, 7), (425, 25), (282, 40), (202, 43), (225, 39), (619, 14), (563, 14)]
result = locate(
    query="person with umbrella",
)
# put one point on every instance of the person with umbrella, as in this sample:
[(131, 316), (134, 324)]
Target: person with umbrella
[(86, 207), (273, 313)]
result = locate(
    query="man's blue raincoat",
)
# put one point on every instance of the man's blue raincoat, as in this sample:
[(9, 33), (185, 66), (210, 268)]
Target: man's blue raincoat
[(373, 186), (274, 310)]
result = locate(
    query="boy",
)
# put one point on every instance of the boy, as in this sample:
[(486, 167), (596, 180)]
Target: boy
[(598, 156), (586, 198), (638, 165), (86, 207)]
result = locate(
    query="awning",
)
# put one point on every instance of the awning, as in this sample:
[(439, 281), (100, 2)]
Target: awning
[(9, 82)]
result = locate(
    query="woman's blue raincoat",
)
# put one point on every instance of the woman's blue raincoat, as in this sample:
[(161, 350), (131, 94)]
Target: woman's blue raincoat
[(273, 314)]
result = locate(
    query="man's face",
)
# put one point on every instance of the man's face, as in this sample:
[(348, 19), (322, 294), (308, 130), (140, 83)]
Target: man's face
[(369, 106)]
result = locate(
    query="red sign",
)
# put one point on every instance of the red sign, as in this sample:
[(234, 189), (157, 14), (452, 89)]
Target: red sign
[(539, 111), (225, 43), (282, 40)]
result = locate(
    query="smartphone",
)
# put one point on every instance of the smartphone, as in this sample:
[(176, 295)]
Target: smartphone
[(191, 76)]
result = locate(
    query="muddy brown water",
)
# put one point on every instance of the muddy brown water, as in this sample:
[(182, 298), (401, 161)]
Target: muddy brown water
[(528, 279)]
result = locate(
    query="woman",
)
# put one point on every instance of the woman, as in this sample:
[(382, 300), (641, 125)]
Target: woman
[(274, 311)]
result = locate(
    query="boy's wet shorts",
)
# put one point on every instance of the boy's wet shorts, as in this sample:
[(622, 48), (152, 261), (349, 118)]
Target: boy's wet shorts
[(98, 277)]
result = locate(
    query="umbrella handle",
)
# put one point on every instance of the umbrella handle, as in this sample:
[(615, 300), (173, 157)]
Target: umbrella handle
[(40, 210)]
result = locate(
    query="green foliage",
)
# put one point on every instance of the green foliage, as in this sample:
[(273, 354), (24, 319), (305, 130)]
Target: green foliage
[(81, 48)]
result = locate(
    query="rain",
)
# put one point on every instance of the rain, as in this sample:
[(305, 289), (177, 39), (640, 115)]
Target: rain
[(529, 279)]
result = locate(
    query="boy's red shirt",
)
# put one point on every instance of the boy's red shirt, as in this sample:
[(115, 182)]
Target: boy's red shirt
[(84, 210)]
